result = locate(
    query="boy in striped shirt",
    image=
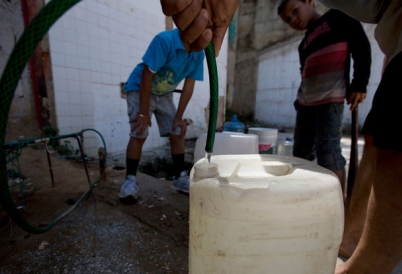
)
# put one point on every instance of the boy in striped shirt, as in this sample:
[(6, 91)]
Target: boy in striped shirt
[(325, 52)]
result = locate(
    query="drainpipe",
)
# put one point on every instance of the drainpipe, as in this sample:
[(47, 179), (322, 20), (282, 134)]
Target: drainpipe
[(28, 12)]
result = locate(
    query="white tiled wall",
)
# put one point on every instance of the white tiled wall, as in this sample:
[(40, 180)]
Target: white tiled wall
[(94, 47), (279, 79)]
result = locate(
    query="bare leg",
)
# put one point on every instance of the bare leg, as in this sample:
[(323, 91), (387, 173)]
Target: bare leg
[(380, 247), (341, 173), (134, 148), (176, 144), (355, 213)]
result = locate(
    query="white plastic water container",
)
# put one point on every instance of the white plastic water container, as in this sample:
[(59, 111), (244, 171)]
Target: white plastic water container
[(264, 214), (227, 143), (286, 148), (267, 138)]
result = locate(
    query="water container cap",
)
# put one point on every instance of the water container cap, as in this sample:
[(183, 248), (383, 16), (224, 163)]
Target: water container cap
[(234, 118), (290, 139)]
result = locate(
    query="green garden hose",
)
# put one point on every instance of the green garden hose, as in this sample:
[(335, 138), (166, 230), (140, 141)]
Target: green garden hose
[(19, 57), (214, 97)]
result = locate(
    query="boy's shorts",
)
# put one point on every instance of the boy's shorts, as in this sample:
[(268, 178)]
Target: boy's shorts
[(163, 108), (383, 120), (318, 132)]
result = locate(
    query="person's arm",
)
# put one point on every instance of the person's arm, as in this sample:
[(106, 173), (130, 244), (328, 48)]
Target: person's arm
[(384, 63), (201, 21), (361, 54), (364, 11), (186, 94), (143, 119)]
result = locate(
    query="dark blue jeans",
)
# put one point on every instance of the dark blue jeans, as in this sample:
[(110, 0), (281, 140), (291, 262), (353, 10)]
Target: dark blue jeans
[(318, 134)]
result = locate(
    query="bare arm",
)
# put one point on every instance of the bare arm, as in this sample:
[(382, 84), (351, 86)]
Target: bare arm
[(185, 97), (361, 53), (143, 119)]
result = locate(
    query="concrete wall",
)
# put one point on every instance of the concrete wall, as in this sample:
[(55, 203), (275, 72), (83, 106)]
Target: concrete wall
[(258, 28), (94, 48), (22, 117), (279, 79)]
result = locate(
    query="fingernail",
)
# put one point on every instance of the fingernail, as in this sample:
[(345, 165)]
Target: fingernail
[(204, 14), (207, 35)]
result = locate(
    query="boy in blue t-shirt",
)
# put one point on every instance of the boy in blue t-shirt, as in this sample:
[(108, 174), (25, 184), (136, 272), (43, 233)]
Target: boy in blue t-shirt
[(149, 88)]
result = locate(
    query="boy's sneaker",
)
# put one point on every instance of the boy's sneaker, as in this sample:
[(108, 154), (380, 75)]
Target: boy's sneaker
[(129, 188), (182, 183)]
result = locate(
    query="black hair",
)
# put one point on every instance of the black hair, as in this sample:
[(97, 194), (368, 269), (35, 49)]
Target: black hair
[(282, 4)]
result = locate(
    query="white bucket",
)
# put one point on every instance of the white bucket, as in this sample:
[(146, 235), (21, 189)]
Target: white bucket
[(264, 214), (267, 138)]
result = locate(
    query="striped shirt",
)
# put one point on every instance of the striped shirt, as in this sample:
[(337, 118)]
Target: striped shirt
[(325, 56)]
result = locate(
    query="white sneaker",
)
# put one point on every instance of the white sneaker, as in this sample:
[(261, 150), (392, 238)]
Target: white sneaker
[(182, 183), (129, 188)]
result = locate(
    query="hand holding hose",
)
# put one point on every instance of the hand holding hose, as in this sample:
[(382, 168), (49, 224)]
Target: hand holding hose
[(201, 21)]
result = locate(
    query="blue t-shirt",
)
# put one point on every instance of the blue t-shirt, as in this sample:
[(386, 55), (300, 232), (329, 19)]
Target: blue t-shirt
[(169, 60)]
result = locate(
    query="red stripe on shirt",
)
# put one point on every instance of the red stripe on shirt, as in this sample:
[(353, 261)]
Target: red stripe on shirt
[(323, 69), (326, 60)]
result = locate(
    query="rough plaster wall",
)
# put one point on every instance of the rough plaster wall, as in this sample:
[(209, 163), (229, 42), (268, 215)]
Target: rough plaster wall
[(241, 97), (268, 28), (245, 87), (22, 117), (94, 47), (260, 26), (245, 18), (279, 79)]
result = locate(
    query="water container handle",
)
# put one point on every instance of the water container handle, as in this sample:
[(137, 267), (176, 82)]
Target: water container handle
[(266, 163)]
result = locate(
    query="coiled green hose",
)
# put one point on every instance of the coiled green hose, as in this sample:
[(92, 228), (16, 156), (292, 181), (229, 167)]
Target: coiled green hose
[(19, 57)]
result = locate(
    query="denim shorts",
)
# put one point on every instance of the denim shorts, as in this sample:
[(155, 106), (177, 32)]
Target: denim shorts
[(163, 108), (383, 119), (318, 134)]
